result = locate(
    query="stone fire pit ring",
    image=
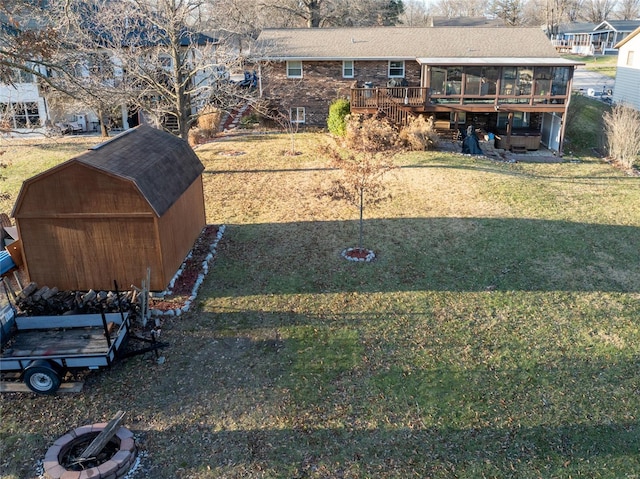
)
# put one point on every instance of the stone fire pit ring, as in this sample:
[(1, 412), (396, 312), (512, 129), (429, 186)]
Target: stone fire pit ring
[(116, 467)]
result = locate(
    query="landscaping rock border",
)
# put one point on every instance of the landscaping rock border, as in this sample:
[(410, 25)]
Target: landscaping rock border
[(186, 305)]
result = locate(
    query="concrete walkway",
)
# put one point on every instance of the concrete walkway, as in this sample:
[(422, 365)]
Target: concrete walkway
[(584, 79)]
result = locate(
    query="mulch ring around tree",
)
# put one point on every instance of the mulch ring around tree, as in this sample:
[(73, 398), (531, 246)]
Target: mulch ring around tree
[(358, 254)]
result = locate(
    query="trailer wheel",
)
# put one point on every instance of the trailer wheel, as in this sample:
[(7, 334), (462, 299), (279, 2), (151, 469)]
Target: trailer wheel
[(41, 377)]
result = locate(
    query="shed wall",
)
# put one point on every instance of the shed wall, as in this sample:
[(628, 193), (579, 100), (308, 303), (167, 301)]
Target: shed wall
[(178, 230), (76, 188), (90, 252)]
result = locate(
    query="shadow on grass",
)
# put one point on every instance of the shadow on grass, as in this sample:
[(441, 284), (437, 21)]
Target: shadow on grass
[(276, 410), (420, 452), (439, 254)]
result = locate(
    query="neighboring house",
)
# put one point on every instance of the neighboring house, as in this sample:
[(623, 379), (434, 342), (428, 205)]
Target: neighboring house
[(593, 39), (26, 105), (508, 81), (627, 89), (22, 107)]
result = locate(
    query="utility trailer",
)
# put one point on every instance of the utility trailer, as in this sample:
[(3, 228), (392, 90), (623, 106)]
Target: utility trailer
[(40, 350)]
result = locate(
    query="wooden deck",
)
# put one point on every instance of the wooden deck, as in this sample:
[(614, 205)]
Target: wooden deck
[(399, 103)]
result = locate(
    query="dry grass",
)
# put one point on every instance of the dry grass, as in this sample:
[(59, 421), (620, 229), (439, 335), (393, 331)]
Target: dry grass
[(494, 336)]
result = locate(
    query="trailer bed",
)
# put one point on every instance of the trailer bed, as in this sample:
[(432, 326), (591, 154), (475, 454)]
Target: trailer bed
[(72, 341), (63, 342)]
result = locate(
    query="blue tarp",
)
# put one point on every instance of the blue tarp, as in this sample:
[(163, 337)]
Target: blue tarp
[(6, 263)]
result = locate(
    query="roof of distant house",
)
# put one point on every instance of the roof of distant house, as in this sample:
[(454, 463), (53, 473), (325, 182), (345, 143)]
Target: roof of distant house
[(465, 22), (633, 34), (618, 25), (400, 43)]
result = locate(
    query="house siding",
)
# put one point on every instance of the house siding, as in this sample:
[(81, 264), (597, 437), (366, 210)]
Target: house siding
[(322, 82), (627, 88)]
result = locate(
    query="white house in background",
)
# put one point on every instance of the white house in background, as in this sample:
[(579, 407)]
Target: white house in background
[(22, 107), (627, 88), (592, 39)]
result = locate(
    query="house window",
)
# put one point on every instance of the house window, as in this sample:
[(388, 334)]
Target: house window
[(347, 69), (19, 115), (542, 78), (20, 76), (297, 114), (454, 81), (520, 119), (294, 69), (560, 81), (630, 58), (165, 61), (438, 80), (478, 81), (396, 69)]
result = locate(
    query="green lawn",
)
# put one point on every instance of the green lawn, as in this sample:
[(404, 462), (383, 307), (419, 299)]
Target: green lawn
[(604, 64), (494, 336)]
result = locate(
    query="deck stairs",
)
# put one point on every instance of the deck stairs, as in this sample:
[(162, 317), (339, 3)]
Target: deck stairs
[(398, 114)]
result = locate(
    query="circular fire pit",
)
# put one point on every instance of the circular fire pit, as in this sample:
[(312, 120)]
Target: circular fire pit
[(113, 462)]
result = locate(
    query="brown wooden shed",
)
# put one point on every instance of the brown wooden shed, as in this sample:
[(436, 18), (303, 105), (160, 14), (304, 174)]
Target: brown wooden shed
[(133, 202)]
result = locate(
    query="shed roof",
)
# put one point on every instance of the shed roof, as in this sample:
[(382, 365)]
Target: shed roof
[(161, 165), (403, 43)]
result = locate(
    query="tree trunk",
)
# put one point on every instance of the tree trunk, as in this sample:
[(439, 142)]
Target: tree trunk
[(103, 124), (361, 217)]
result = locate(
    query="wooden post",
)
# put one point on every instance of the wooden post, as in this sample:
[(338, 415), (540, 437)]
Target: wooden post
[(103, 438)]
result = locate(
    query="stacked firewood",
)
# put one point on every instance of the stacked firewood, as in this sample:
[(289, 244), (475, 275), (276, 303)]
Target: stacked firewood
[(45, 301)]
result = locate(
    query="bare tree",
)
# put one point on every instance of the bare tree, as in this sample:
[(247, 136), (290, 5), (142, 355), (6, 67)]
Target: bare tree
[(511, 11), (28, 42), (596, 11), (629, 9), (363, 165), (415, 14), (324, 13), (160, 62), (31, 53), (459, 8)]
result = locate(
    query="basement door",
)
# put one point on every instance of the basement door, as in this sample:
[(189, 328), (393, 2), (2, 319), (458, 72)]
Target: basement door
[(551, 128)]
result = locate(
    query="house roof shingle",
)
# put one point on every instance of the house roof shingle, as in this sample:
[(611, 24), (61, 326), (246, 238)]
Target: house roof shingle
[(403, 43)]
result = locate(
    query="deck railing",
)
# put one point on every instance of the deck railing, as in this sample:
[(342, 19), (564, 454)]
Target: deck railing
[(379, 97)]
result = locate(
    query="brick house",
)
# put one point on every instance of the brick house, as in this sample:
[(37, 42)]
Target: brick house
[(507, 81)]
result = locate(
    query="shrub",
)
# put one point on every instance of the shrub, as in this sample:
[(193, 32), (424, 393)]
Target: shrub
[(338, 112), (420, 134), (210, 119), (370, 134), (622, 130), (207, 126)]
